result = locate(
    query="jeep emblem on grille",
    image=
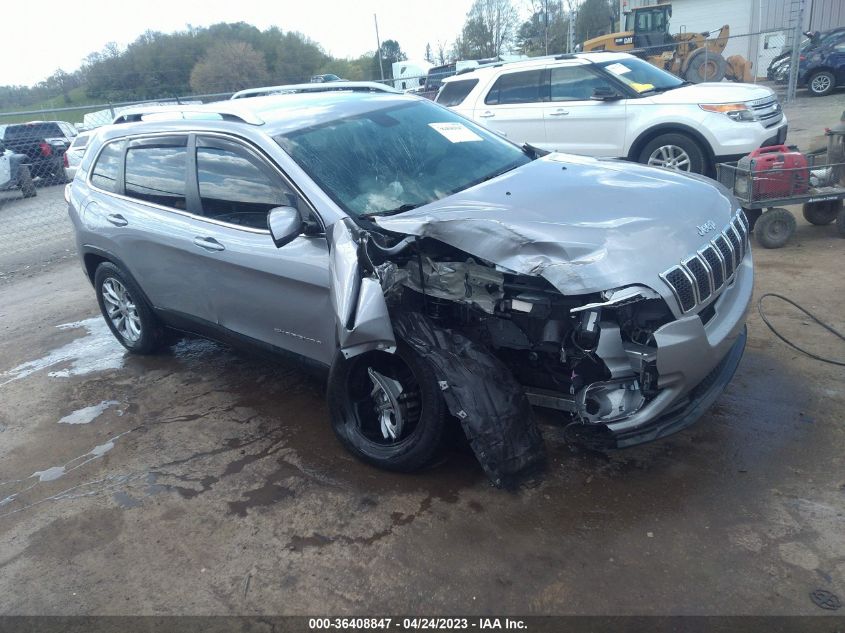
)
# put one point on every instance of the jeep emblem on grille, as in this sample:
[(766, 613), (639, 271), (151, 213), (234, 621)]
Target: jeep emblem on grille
[(704, 229)]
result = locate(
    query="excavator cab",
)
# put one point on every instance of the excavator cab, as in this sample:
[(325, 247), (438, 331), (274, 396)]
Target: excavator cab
[(650, 26)]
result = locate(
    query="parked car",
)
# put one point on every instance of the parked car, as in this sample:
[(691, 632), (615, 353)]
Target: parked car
[(44, 144), (319, 79), (14, 173), (778, 69), (348, 86), (617, 105), (430, 266), (74, 153), (821, 67)]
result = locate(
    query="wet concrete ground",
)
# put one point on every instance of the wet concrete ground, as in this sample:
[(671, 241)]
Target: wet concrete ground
[(207, 481), (203, 480)]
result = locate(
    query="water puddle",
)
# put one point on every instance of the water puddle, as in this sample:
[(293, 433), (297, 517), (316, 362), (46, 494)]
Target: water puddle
[(89, 414), (96, 351), (53, 473)]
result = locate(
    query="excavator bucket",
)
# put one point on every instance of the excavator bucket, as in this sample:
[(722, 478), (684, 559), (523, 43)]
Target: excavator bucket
[(739, 69)]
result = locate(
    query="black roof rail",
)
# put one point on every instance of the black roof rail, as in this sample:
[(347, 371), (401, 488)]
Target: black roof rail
[(565, 56)]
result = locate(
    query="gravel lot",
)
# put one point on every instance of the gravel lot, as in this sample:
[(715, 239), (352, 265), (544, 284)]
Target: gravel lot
[(207, 481)]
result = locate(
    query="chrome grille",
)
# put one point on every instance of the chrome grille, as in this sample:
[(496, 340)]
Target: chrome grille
[(706, 273), (767, 110)]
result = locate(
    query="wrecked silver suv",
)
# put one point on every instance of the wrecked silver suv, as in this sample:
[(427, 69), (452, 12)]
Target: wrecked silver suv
[(437, 270)]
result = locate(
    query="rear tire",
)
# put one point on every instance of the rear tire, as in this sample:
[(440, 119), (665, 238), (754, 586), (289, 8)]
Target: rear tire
[(59, 177), (353, 409), (821, 83), (774, 228), (125, 310), (26, 184), (674, 151), (840, 223), (821, 213)]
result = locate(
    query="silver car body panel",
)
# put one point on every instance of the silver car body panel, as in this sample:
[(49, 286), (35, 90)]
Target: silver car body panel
[(583, 224), (360, 310)]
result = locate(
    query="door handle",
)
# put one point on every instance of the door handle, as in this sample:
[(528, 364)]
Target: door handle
[(559, 112), (117, 219), (487, 114), (209, 244)]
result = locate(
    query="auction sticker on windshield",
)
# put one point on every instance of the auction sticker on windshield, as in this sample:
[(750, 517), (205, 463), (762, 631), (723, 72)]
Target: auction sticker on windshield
[(455, 132), (618, 69)]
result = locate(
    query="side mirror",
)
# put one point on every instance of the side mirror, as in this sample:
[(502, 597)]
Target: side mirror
[(605, 93), (285, 225)]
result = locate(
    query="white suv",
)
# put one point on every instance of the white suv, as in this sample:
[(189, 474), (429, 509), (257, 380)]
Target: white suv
[(617, 105)]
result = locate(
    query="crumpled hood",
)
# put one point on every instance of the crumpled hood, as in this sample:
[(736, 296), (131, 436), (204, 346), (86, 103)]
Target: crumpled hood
[(721, 92), (583, 224)]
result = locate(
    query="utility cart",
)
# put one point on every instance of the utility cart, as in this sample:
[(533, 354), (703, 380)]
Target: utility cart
[(773, 177)]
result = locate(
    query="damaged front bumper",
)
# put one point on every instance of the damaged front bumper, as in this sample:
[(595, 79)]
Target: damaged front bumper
[(695, 361), (699, 401)]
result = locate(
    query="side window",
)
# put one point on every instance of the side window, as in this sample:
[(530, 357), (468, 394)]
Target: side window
[(454, 92), (521, 87), (237, 187), (574, 83), (106, 171), (156, 171)]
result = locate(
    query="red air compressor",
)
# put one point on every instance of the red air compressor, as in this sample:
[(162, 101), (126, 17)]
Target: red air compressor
[(775, 172)]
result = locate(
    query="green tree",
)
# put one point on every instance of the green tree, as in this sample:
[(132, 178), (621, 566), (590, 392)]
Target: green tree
[(297, 59), (595, 17), (229, 66), (545, 31), (488, 30), (390, 52)]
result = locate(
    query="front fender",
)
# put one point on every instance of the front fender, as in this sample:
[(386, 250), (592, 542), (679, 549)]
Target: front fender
[(360, 310)]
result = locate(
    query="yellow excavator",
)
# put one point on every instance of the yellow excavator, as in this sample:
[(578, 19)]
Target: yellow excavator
[(692, 56)]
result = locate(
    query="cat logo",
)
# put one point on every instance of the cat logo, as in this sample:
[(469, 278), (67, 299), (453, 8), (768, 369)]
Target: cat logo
[(622, 41)]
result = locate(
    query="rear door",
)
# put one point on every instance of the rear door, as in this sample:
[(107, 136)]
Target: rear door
[(147, 224), (577, 124), (513, 106)]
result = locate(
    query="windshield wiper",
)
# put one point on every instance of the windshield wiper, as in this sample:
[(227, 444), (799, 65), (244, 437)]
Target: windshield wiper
[(533, 151), (666, 88), (399, 209)]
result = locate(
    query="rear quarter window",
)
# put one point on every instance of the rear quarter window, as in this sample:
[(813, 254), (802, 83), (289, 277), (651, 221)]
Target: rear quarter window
[(107, 168), (454, 92)]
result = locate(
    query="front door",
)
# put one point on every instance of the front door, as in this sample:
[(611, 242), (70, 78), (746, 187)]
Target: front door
[(577, 124), (274, 295)]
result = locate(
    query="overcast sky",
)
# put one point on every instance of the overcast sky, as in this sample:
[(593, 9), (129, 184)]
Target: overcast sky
[(39, 37)]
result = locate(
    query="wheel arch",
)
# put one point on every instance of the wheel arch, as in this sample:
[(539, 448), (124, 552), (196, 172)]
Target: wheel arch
[(93, 256), (651, 133)]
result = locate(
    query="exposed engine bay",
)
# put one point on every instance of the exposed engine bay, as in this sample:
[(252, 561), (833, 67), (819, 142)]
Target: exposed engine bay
[(591, 356)]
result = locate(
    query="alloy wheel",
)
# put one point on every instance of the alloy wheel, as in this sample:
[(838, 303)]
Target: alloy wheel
[(671, 157), (820, 84), (121, 309)]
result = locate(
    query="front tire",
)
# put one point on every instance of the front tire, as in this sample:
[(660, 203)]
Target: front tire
[(821, 83), (387, 409), (125, 310), (674, 151), (774, 228), (821, 213)]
